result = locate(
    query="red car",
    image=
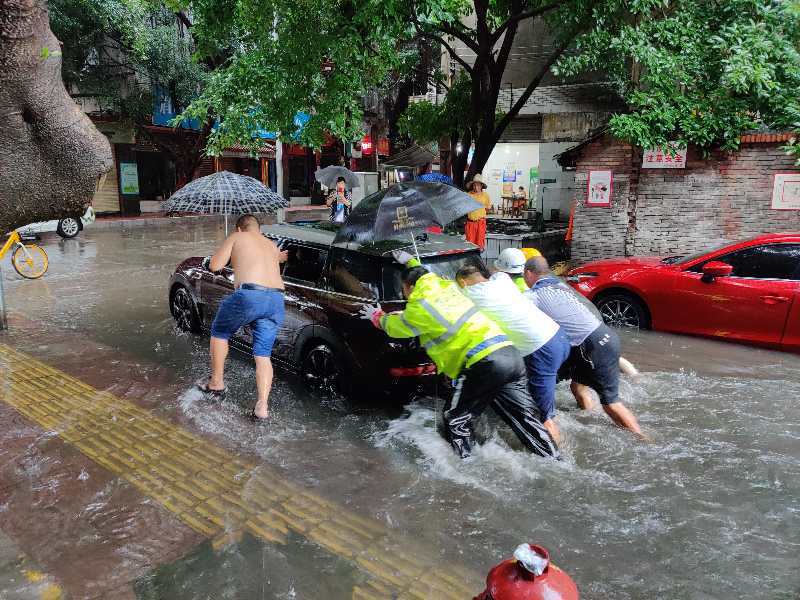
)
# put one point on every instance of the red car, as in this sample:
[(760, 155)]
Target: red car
[(746, 292)]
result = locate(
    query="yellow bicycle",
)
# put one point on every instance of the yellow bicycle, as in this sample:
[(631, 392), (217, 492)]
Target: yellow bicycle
[(29, 260)]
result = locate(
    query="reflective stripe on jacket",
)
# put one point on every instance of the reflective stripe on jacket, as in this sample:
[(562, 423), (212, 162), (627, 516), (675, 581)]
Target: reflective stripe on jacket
[(453, 331)]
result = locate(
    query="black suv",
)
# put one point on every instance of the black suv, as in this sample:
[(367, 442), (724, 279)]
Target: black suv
[(323, 338)]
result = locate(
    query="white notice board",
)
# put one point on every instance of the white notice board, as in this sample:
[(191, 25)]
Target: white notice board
[(786, 191)]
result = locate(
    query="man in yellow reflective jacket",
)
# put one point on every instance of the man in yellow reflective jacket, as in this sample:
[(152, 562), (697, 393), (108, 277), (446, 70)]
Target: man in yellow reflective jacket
[(469, 348)]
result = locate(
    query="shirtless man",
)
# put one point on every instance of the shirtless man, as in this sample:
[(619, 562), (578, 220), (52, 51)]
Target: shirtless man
[(257, 301)]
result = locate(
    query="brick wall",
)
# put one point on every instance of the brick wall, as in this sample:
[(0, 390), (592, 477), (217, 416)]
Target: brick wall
[(679, 211), (601, 232)]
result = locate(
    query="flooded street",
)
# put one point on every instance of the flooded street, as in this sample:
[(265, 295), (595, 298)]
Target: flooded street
[(709, 509)]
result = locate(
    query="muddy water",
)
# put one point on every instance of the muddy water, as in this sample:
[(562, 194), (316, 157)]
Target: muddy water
[(708, 509)]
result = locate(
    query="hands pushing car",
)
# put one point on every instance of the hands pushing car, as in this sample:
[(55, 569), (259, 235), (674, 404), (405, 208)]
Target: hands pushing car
[(324, 337), (67, 227), (746, 291)]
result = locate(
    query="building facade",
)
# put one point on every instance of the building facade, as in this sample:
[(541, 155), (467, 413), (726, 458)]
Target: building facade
[(556, 116), (679, 211)]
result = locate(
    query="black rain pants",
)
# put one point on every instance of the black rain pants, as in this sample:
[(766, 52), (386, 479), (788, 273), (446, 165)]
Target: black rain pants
[(499, 379)]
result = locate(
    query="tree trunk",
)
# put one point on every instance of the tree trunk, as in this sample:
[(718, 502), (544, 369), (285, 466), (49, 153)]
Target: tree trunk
[(459, 160), (51, 154)]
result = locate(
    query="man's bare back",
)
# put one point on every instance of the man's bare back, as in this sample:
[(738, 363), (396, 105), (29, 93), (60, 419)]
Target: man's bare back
[(255, 259)]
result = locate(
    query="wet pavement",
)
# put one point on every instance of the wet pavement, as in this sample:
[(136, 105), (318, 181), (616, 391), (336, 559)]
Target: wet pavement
[(709, 509)]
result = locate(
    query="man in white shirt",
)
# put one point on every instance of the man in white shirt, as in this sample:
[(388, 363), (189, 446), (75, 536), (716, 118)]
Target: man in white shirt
[(538, 338)]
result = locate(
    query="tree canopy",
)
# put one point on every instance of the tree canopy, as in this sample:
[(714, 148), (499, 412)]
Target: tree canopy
[(699, 72), (118, 52), (690, 71)]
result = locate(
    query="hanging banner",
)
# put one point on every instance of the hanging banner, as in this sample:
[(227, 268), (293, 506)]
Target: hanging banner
[(786, 191), (128, 178), (600, 188), (659, 158)]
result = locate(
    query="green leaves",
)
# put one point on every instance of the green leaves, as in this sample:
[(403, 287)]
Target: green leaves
[(114, 49), (704, 72), (274, 70)]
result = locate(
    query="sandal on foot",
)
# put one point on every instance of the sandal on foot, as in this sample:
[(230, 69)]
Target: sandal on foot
[(256, 419), (212, 394)]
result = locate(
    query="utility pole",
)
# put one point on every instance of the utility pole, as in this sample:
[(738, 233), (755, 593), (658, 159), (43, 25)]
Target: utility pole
[(3, 312), (279, 166)]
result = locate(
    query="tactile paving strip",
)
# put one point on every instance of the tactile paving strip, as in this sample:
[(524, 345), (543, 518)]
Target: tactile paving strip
[(215, 492)]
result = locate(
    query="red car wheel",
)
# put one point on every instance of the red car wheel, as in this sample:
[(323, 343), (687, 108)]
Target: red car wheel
[(623, 311)]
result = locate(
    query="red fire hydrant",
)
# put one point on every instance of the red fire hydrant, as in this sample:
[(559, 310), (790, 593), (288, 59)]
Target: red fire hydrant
[(528, 576)]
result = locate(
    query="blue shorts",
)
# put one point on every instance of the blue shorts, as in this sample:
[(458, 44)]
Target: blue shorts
[(542, 366), (260, 307)]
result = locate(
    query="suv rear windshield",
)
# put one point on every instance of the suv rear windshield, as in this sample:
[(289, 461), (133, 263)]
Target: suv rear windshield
[(446, 266), (354, 274)]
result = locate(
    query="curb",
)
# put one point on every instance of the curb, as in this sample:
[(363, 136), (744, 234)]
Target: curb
[(102, 224)]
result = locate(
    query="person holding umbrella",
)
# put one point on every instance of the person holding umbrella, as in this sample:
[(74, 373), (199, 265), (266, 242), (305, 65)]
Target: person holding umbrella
[(339, 201), (475, 229), (471, 349)]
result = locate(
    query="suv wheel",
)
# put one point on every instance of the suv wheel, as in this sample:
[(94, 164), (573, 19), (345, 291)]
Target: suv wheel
[(624, 311), (322, 370), (68, 228), (184, 311)]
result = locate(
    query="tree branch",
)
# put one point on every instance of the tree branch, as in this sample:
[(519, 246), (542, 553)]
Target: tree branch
[(446, 29), (528, 14), (509, 116), (183, 18), (460, 36), (448, 47), (508, 42)]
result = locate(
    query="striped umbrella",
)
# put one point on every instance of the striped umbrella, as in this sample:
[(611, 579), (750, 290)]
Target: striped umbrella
[(225, 193)]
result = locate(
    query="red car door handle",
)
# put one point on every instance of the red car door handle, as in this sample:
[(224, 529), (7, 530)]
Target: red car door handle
[(774, 299)]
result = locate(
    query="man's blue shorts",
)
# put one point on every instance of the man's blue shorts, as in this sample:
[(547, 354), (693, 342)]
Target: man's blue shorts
[(542, 366), (260, 307)]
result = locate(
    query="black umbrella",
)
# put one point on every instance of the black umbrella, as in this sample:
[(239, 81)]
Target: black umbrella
[(329, 175), (404, 209)]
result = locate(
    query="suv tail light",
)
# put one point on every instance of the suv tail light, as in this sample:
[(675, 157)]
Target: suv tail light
[(428, 369)]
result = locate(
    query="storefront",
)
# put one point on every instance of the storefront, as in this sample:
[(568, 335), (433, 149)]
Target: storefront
[(406, 165), (260, 165), (106, 199), (299, 165), (532, 167)]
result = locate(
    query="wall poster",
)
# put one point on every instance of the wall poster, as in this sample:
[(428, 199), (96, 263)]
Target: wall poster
[(786, 191), (600, 188), (128, 178)]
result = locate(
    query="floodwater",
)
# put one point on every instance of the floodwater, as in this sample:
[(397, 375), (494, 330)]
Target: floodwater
[(709, 509)]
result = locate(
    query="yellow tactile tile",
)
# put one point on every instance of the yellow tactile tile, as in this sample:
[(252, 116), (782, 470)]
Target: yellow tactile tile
[(214, 492)]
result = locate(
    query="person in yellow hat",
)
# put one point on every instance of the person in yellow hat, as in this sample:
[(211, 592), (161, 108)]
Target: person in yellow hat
[(475, 229)]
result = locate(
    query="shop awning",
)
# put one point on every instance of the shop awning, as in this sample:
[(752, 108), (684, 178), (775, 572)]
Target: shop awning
[(414, 156)]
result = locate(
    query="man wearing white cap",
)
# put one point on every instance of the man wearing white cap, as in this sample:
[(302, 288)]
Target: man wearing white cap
[(512, 261), (538, 338)]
